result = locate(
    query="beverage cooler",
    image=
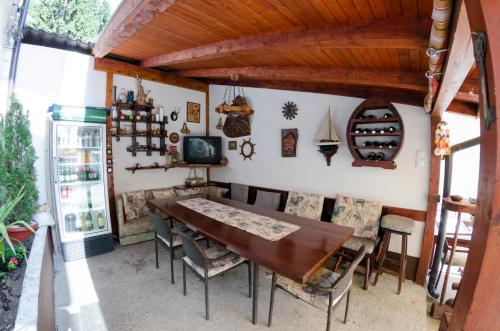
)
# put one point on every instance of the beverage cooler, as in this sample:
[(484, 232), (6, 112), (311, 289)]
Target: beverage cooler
[(78, 181)]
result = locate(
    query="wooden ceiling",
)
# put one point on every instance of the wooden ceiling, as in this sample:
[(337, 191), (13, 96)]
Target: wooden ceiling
[(363, 44)]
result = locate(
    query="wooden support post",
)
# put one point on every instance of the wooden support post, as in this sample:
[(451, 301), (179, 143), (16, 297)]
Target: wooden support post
[(477, 304), (433, 200), (109, 144)]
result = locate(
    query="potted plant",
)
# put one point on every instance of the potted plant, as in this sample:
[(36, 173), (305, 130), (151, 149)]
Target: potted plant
[(17, 169), (5, 213)]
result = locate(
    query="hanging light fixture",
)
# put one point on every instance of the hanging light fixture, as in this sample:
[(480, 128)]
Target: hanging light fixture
[(235, 106), (442, 140), (234, 99)]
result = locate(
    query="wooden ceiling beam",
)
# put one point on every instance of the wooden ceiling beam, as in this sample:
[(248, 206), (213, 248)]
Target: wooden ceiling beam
[(397, 79), (131, 70), (407, 97), (399, 34), (129, 18), (459, 62)]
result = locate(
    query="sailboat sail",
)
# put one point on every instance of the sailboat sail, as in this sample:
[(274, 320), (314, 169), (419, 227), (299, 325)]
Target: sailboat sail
[(327, 134)]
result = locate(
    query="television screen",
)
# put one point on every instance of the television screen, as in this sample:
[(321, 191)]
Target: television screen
[(202, 149)]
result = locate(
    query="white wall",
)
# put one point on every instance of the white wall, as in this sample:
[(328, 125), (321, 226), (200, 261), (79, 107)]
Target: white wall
[(405, 187), (169, 97), (46, 76)]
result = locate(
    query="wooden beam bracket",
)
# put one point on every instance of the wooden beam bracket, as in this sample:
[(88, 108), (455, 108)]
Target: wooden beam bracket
[(479, 39)]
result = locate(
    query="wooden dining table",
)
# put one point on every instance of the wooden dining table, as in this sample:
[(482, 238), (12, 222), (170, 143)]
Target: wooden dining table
[(297, 256)]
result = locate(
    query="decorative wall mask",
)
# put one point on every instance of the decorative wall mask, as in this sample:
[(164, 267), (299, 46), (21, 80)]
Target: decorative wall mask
[(247, 149), (289, 139), (193, 112), (290, 110), (442, 140), (185, 129), (175, 114)]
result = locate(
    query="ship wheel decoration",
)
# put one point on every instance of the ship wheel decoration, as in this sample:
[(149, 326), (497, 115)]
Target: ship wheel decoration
[(247, 149), (290, 110)]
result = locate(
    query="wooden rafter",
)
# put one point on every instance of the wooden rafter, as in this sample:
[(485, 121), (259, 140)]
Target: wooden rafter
[(377, 34), (408, 97), (129, 18), (397, 79), (131, 70), (460, 59)]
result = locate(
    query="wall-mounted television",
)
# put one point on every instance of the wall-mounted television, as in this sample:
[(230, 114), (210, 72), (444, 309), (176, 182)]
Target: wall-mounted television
[(201, 149)]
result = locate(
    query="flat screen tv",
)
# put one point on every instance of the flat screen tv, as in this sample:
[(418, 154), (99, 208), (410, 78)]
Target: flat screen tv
[(206, 150)]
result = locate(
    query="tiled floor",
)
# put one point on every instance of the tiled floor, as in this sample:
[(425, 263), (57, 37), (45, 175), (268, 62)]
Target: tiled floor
[(123, 290)]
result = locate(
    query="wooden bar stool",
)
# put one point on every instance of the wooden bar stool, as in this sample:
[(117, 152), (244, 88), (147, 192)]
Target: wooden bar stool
[(398, 225)]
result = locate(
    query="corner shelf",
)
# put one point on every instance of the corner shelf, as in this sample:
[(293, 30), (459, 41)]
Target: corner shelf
[(171, 166), (359, 117)]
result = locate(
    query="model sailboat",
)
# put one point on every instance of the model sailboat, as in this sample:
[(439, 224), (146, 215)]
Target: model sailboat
[(327, 139)]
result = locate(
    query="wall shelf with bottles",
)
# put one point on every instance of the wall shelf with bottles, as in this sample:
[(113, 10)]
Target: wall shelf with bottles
[(134, 113), (375, 134)]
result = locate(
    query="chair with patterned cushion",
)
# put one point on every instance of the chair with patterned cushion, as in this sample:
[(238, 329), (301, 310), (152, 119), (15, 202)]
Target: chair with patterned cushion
[(239, 192), (364, 217), (305, 205), (165, 232), (324, 290), (395, 224), (269, 200), (208, 263)]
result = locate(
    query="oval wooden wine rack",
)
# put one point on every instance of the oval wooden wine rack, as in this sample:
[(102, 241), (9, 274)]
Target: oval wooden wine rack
[(375, 134)]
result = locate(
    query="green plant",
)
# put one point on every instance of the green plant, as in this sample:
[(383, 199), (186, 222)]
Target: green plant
[(77, 19), (5, 212), (17, 161)]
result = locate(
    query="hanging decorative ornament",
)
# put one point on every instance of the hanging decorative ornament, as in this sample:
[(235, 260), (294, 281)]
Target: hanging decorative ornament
[(220, 125), (442, 140), (290, 110), (175, 114), (185, 129), (236, 107)]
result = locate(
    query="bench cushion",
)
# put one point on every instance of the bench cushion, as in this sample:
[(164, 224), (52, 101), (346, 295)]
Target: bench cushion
[(398, 223), (310, 294), (355, 243)]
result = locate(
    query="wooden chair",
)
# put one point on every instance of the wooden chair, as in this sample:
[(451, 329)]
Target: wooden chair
[(324, 290), (208, 263), (164, 232)]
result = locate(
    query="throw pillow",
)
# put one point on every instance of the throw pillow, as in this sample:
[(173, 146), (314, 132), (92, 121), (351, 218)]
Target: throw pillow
[(305, 205), (134, 205), (360, 214)]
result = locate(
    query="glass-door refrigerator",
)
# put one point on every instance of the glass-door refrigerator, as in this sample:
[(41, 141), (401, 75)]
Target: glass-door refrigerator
[(79, 181)]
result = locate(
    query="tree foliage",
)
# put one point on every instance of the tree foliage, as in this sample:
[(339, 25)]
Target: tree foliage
[(17, 161), (77, 19)]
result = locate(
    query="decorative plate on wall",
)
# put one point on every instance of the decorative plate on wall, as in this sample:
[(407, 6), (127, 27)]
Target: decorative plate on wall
[(174, 137)]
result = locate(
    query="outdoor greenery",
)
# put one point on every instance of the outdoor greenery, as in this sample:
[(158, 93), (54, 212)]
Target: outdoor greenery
[(77, 19), (17, 163)]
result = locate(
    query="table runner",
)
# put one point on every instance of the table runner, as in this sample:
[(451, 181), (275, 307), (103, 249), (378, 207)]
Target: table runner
[(262, 226)]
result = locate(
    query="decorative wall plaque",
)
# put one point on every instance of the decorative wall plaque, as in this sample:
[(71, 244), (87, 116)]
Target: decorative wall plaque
[(289, 139)]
